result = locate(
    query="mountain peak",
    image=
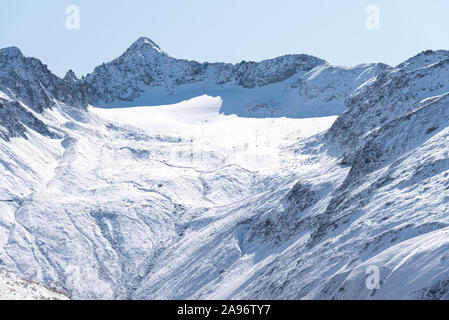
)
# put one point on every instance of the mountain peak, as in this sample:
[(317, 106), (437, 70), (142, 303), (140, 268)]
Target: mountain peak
[(424, 59), (71, 76), (145, 43), (11, 52)]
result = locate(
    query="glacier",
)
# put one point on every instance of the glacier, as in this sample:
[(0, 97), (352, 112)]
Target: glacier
[(161, 178)]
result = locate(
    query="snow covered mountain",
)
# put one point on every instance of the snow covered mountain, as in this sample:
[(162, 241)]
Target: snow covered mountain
[(144, 65), (284, 179), (145, 75)]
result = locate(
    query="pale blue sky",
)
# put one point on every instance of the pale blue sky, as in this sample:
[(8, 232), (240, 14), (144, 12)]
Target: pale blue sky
[(225, 30)]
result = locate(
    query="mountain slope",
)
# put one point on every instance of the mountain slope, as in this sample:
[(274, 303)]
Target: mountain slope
[(391, 209)]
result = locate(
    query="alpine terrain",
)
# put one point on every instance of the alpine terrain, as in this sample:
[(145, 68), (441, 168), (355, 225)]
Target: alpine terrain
[(160, 178)]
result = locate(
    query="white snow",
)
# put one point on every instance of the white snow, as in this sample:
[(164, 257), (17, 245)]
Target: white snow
[(14, 288), (250, 143)]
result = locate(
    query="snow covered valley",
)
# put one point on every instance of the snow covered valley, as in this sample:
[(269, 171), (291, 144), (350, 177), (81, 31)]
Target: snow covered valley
[(138, 187), (285, 179)]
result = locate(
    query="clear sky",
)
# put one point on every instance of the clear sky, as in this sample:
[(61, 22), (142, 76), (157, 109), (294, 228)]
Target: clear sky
[(224, 30)]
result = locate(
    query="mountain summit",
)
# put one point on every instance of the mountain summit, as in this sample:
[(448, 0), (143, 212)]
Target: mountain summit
[(144, 43)]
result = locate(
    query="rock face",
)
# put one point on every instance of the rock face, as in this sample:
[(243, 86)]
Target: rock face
[(30, 81), (71, 77), (15, 119), (27, 87)]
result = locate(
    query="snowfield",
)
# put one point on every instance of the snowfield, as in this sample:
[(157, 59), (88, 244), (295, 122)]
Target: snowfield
[(160, 178), (214, 139)]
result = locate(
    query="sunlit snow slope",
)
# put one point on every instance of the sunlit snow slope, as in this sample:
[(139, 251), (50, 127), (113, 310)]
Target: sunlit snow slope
[(213, 139)]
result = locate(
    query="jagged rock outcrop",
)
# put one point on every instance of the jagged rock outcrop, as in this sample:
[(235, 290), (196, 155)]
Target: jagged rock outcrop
[(29, 81), (70, 76), (15, 119), (27, 88)]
